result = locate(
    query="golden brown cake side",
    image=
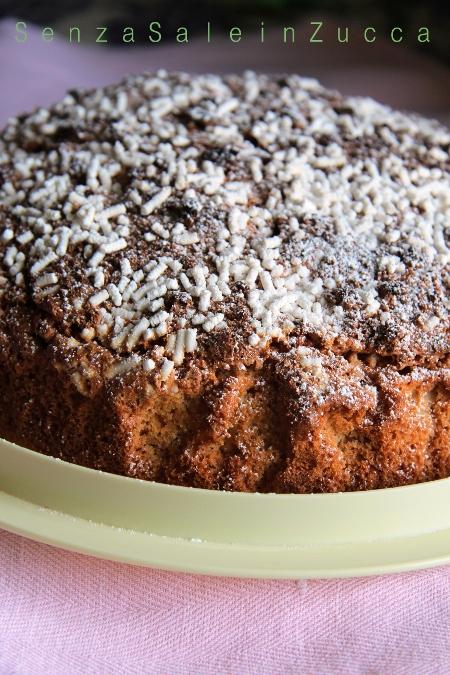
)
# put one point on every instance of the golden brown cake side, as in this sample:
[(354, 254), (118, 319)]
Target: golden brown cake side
[(294, 418), (235, 282)]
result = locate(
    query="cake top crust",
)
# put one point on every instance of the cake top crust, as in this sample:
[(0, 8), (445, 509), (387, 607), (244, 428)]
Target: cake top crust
[(171, 210)]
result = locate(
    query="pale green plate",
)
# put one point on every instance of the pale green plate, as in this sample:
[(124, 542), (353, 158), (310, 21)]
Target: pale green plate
[(233, 534)]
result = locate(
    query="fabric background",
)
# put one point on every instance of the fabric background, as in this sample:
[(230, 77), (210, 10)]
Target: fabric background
[(63, 613)]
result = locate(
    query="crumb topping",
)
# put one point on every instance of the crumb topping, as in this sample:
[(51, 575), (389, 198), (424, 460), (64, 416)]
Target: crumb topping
[(148, 214)]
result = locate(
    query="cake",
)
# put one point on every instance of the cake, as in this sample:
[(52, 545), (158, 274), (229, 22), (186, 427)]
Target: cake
[(236, 283)]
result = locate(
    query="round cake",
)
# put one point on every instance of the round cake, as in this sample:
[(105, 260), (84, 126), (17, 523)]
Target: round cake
[(236, 283)]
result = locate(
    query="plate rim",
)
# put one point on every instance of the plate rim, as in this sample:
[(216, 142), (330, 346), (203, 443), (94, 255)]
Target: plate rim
[(171, 547), (193, 530)]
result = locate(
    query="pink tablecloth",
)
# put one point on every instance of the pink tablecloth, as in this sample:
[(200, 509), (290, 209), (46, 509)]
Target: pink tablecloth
[(65, 613)]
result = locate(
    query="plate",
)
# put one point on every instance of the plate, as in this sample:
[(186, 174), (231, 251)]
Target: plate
[(223, 533)]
